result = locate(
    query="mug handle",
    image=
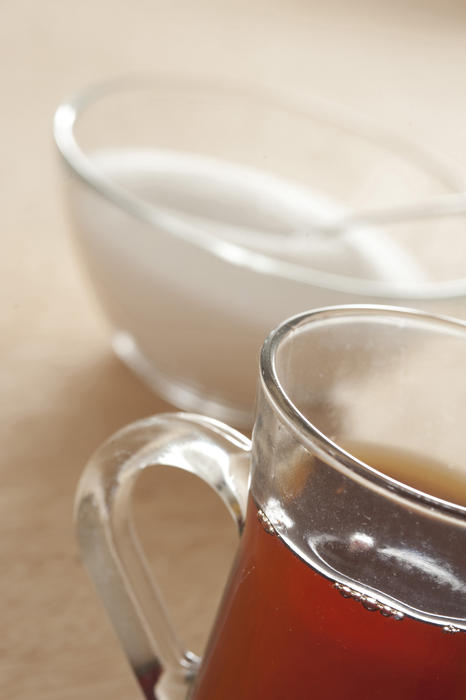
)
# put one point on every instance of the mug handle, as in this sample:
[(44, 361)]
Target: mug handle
[(111, 551)]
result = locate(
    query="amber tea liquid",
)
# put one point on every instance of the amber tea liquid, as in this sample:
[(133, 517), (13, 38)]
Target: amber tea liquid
[(284, 632)]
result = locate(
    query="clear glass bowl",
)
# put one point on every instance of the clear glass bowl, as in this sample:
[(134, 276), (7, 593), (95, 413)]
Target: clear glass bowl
[(206, 213)]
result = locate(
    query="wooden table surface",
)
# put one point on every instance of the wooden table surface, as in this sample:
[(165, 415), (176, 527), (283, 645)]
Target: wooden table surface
[(62, 391)]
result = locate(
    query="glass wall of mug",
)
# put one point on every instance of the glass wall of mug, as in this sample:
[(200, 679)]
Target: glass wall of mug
[(350, 577)]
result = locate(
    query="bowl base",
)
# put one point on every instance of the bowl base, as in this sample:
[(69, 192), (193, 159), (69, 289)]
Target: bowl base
[(176, 392)]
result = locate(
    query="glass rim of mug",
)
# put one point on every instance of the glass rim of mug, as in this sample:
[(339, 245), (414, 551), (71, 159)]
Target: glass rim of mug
[(309, 435), (75, 158)]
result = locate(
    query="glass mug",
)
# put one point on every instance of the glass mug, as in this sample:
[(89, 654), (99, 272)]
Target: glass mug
[(350, 577)]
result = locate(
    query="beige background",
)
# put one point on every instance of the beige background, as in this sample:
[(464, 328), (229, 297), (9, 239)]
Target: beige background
[(62, 392)]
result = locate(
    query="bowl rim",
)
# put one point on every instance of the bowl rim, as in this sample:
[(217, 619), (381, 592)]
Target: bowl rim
[(76, 160)]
